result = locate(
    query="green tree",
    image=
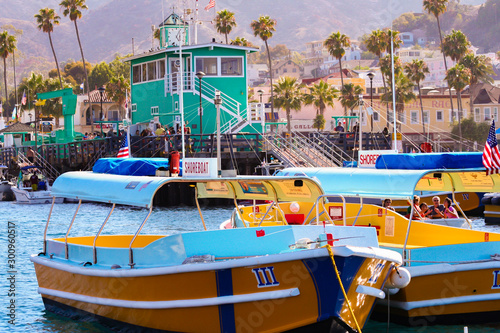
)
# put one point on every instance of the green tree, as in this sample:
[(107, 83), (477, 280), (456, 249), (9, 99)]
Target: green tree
[(458, 77), (73, 9), (75, 71), (319, 122), (349, 96), (33, 85), (118, 67), (7, 47), (471, 130), (336, 44), (321, 95), (437, 8), (416, 71), (480, 69), (404, 92), (288, 96), (225, 22), (241, 41), (116, 89), (101, 74), (264, 28), (46, 19), (455, 45)]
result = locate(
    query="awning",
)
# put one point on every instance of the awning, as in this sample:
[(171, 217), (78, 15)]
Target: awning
[(402, 184), (140, 190)]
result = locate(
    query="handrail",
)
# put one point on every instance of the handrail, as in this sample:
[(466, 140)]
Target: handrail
[(69, 228), (94, 250), (455, 201), (131, 254), (47, 226), (198, 206)]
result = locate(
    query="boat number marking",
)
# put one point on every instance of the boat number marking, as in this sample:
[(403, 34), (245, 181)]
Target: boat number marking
[(496, 281), (265, 277), (376, 273)]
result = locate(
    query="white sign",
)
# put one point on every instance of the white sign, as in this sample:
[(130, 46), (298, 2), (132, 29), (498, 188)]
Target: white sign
[(367, 158), (199, 167)]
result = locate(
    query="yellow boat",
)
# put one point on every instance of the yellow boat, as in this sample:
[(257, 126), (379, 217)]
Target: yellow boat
[(455, 270), (267, 279)]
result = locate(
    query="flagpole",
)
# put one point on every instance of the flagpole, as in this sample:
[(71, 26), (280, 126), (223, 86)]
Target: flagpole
[(181, 88), (196, 25)]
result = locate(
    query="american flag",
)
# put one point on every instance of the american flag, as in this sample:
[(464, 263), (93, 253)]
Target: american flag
[(23, 100), (211, 4), (491, 155), (124, 151)]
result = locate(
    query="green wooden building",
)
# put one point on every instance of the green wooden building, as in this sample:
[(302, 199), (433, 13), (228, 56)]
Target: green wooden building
[(156, 84)]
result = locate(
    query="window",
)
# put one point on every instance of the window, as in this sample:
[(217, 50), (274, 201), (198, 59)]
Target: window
[(155, 110), (294, 70), (231, 66), (151, 71), (136, 74), (134, 107), (495, 114), (144, 77), (375, 116), (414, 117), (161, 69), (477, 114), (113, 115), (426, 117), (207, 66), (487, 113), (439, 115)]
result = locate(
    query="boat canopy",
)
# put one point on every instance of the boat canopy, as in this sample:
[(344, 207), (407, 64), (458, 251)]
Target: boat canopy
[(430, 161), (402, 184), (130, 166), (140, 190)]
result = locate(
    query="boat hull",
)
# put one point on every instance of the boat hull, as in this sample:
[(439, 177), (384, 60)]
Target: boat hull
[(462, 294), (37, 197), (306, 292), (6, 193)]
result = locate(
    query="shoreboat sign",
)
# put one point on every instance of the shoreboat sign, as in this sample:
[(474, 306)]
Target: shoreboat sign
[(367, 158), (199, 167)]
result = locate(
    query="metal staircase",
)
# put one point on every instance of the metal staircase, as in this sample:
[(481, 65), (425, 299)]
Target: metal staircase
[(49, 171), (330, 149)]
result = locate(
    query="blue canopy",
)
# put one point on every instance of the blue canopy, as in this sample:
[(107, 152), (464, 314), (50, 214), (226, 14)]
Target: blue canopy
[(131, 166), (383, 183), (430, 161)]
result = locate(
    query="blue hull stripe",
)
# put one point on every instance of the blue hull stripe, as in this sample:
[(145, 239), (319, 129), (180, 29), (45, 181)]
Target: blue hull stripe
[(328, 292), (226, 312)]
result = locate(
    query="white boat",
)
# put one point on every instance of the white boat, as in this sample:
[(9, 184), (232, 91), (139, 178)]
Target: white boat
[(24, 194), (5, 186)]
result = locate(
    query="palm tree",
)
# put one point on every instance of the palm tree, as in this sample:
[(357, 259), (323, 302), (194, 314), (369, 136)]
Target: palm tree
[(336, 44), (32, 85), (264, 28), (480, 70), (319, 122), (73, 9), (288, 97), (241, 41), (404, 92), (116, 89), (7, 47), (321, 95), (46, 19), (349, 96), (225, 22), (456, 45), (436, 8), (376, 43), (416, 71), (458, 77)]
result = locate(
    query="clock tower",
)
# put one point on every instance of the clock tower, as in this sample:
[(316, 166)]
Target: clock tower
[(173, 32)]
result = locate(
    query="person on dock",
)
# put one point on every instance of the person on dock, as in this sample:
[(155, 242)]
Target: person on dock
[(30, 154), (339, 127)]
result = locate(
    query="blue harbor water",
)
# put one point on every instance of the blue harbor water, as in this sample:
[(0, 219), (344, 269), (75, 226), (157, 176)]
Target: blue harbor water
[(29, 223)]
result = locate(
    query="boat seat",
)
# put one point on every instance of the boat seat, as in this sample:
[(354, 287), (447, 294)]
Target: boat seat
[(295, 218)]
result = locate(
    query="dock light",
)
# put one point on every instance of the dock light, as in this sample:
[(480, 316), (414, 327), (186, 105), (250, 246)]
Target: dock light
[(260, 92), (200, 76), (371, 76)]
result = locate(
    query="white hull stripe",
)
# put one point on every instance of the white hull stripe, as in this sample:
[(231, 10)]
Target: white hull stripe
[(444, 301), (370, 291), (188, 303), (491, 212), (343, 251), (435, 269)]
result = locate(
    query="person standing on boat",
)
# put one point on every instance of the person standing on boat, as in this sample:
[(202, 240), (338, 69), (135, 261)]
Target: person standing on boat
[(438, 209), (34, 181)]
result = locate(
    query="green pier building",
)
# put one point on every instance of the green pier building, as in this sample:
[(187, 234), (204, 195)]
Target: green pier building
[(156, 83)]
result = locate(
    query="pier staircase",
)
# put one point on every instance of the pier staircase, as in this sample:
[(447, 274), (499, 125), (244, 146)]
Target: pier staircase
[(48, 170), (234, 116)]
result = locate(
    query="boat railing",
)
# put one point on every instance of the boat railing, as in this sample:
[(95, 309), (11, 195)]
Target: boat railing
[(69, 229), (316, 205), (131, 253), (94, 250)]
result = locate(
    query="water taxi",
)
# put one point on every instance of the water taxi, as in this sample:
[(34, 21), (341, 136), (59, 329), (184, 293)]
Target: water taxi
[(270, 278), (455, 270), (24, 192)]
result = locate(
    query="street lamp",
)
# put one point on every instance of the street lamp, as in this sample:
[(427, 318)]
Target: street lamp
[(371, 76), (200, 76), (260, 92), (101, 92)]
